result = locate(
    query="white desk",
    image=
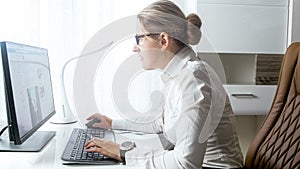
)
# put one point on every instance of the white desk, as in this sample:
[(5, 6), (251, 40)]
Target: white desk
[(49, 157)]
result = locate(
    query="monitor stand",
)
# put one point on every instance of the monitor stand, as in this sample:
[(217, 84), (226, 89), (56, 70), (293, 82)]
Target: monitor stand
[(33, 144)]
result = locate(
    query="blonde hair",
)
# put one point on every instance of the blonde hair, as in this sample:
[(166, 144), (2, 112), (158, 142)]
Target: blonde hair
[(165, 16)]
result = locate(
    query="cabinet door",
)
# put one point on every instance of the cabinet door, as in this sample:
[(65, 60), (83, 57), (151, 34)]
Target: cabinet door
[(234, 28), (248, 2)]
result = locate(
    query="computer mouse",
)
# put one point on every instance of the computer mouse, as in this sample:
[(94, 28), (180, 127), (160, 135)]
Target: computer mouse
[(91, 122)]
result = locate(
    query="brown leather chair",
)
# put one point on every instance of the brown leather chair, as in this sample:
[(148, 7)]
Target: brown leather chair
[(277, 144)]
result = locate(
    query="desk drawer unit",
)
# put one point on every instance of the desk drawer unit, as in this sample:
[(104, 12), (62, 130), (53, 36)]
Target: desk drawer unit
[(251, 99)]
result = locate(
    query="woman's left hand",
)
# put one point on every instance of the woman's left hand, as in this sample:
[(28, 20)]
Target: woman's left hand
[(105, 147)]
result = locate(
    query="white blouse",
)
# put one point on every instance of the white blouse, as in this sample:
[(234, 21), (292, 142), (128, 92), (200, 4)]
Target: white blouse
[(197, 119)]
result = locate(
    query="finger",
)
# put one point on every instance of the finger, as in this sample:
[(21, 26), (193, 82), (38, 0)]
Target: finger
[(93, 116), (91, 140), (101, 125), (100, 150), (108, 153), (90, 144), (94, 142), (91, 149), (103, 151), (95, 149)]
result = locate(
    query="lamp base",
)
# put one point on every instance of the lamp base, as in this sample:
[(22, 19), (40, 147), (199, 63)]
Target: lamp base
[(63, 121), (65, 117)]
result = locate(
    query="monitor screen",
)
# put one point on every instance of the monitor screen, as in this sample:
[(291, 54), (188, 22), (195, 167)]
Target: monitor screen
[(28, 89)]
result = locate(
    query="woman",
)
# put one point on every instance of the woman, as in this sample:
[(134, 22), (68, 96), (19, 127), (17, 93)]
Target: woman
[(197, 117)]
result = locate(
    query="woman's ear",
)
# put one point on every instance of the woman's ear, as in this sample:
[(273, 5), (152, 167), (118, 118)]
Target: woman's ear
[(164, 40)]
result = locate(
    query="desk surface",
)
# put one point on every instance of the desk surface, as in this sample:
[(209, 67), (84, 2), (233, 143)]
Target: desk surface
[(49, 156)]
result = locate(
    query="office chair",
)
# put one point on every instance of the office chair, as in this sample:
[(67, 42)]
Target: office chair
[(277, 144)]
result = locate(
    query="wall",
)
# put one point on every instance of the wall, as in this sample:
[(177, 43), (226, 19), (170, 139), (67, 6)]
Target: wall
[(247, 128), (294, 24)]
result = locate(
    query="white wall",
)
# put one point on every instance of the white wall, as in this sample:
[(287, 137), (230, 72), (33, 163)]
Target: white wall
[(247, 128), (294, 21)]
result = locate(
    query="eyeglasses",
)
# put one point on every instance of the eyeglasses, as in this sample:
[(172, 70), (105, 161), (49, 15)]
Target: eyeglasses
[(138, 37)]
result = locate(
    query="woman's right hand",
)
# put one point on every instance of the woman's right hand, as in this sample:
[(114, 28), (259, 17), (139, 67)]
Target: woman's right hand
[(105, 122)]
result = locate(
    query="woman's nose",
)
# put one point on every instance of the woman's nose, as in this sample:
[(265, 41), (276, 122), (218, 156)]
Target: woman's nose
[(136, 48)]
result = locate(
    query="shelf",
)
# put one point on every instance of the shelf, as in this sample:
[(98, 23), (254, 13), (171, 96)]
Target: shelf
[(245, 69), (238, 73)]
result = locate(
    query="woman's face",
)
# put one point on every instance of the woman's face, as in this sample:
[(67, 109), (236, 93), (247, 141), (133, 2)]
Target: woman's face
[(149, 51)]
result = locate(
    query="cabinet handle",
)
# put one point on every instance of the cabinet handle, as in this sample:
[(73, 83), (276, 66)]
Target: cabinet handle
[(243, 95)]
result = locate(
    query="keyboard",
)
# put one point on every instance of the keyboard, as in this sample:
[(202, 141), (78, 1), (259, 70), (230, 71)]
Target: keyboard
[(75, 153)]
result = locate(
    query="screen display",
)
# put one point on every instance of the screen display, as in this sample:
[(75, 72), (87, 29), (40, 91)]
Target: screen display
[(30, 86)]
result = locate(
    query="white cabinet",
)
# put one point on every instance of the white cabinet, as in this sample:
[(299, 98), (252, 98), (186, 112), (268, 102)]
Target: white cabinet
[(251, 99), (247, 2), (237, 31), (243, 26), (238, 74)]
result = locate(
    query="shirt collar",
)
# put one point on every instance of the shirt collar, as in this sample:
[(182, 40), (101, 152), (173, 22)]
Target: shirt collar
[(177, 63)]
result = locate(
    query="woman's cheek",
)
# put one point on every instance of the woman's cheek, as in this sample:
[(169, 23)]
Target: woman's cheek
[(147, 62), (146, 59), (151, 58)]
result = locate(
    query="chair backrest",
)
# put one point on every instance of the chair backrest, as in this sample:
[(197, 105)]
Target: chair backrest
[(277, 144)]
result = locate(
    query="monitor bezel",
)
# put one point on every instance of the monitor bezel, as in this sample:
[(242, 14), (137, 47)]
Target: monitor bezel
[(14, 134)]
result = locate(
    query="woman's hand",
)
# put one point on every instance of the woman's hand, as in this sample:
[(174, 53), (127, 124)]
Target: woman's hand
[(105, 122), (105, 147)]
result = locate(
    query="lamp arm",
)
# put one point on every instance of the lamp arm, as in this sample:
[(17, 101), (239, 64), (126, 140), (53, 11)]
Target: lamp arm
[(68, 116)]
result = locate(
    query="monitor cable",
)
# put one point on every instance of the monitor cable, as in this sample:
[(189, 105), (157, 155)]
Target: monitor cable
[(2, 130)]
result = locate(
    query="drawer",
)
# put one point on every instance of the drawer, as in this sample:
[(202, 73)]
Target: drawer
[(251, 99)]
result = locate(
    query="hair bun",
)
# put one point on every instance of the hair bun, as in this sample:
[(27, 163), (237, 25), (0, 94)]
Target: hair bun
[(193, 29), (194, 19)]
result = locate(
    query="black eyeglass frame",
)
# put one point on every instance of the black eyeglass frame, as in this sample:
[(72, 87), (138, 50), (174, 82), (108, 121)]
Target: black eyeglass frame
[(138, 37)]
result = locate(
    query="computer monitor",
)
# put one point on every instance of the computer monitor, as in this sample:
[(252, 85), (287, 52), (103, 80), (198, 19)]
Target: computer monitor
[(29, 96)]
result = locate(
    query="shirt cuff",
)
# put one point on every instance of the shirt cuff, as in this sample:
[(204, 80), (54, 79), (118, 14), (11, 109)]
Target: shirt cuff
[(139, 157), (118, 124)]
